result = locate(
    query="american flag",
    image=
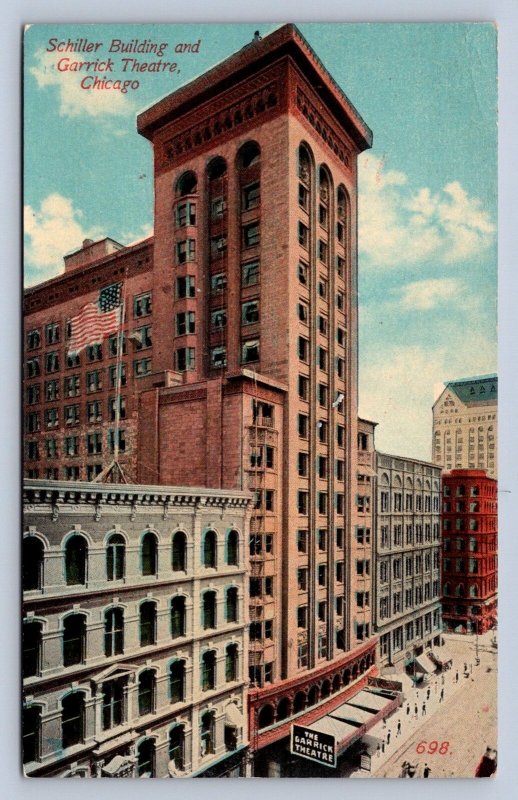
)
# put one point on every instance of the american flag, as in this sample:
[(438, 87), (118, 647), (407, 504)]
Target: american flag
[(96, 320)]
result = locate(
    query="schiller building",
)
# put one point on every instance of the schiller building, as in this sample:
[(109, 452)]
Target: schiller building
[(241, 354), (469, 538)]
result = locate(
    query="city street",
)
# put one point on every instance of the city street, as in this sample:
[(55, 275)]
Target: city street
[(453, 733)]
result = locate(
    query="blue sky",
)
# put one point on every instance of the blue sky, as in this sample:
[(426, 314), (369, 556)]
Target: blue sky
[(427, 206)]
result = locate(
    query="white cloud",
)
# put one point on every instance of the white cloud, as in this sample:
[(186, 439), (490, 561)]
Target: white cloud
[(428, 294), (73, 100), (400, 225), (398, 386), (51, 231)]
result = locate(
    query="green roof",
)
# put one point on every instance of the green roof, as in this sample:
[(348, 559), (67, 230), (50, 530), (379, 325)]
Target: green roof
[(478, 389)]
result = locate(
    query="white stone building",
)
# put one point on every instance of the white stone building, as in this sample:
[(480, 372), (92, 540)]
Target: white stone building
[(134, 631)]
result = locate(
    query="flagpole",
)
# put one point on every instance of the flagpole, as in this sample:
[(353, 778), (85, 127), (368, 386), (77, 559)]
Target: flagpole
[(118, 381)]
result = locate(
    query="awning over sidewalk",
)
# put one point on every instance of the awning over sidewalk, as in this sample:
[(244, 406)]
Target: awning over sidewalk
[(351, 721), (424, 664)]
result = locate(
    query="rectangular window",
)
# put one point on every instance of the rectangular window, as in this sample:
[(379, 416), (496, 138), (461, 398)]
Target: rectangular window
[(72, 386), (142, 367), (218, 357), (302, 502), (302, 617), (303, 461), (303, 235), (322, 429), (302, 312), (250, 312), (302, 541), (94, 352), (51, 362), (303, 273), (218, 245), (340, 470), (51, 448), (142, 305), (112, 439), (94, 443), (322, 539), (32, 367), (185, 358), (303, 426), (186, 214), (52, 333), (303, 349), (250, 351), (185, 251), (114, 344), (51, 390), (340, 435), (71, 446), (185, 287), (340, 266), (322, 359), (302, 579), (322, 288), (303, 197), (303, 387), (322, 467), (32, 422), (251, 235), (340, 538), (322, 251), (122, 375), (251, 196), (250, 273), (72, 415), (340, 571), (142, 337), (185, 323), (33, 339), (94, 381), (217, 207), (51, 418), (218, 282), (93, 411)]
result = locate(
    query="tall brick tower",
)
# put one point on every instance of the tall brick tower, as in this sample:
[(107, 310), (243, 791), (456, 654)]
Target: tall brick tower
[(254, 381)]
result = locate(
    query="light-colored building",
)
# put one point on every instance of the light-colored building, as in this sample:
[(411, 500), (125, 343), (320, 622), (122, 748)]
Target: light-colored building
[(407, 558), (135, 630), (465, 425)]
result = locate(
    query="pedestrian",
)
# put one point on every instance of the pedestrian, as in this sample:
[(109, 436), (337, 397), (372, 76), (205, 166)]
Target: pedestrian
[(416, 711), (378, 750), (442, 679), (441, 698), (383, 745), (407, 709), (423, 710), (388, 736), (428, 693), (426, 771), (457, 676), (398, 731)]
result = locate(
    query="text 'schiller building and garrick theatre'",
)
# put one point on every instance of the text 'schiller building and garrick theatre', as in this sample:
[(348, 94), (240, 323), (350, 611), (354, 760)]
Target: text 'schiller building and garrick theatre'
[(238, 369)]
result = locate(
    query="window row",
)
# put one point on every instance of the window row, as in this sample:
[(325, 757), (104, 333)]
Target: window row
[(76, 556), (74, 634)]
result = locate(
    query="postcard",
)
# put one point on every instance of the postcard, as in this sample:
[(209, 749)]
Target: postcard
[(260, 401)]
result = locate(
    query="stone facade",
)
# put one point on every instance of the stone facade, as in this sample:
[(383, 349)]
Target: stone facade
[(134, 630), (465, 423), (407, 555)]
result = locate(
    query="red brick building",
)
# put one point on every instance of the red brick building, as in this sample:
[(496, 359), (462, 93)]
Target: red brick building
[(469, 565), (247, 377)]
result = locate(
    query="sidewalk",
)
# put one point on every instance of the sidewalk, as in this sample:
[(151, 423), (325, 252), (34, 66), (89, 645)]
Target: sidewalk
[(464, 647)]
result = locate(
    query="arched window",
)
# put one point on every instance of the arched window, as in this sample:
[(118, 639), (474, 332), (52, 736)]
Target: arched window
[(146, 692), (113, 704), (147, 623), (473, 590), (179, 552), (72, 719), (74, 639), (76, 552), (304, 164), (32, 563), (209, 610), (233, 548), (231, 662), (177, 746), (217, 168), (115, 553), (447, 589), (249, 155), (31, 734), (31, 655), (177, 681), (283, 709), (113, 632), (459, 590), (209, 557), (186, 184), (207, 728), (231, 607), (146, 758), (149, 554), (299, 702), (177, 617), (208, 670), (266, 717)]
